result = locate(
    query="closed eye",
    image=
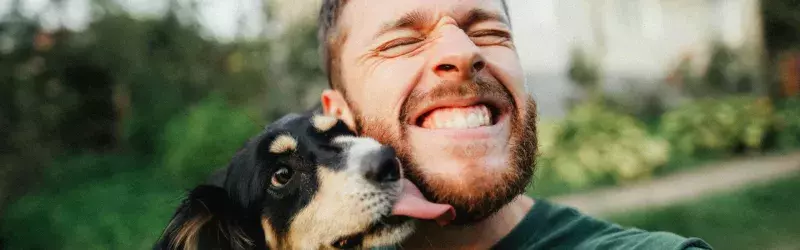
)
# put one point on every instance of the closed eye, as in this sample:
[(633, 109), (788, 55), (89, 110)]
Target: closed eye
[(490, 32), (490, 37), (397, 43), (399, 46)]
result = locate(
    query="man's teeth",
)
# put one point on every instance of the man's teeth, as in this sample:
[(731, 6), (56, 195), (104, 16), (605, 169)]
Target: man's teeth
[(458, 118)]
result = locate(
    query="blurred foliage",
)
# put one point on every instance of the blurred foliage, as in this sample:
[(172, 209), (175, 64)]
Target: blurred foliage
[(117, 84), (203, 140), (174, 68), (781, 40), (788, 123), (726, 74), (585, 73), (123, 210), (642, 102), (781, 26), (297, 70), (721, 125), (583, 70), (107, 125), (595, 143), (104, 90)]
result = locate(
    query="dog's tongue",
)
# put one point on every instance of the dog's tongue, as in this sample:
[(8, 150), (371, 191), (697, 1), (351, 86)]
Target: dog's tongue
[(414, 205)]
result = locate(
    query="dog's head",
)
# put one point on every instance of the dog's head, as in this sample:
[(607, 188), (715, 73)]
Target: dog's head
[(319, 185), (305, 182)]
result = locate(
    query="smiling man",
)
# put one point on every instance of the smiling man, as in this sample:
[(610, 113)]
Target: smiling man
[(441, 81)]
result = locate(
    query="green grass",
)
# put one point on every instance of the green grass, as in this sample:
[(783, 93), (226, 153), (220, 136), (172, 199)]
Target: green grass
[(124, 210), (760, 217)]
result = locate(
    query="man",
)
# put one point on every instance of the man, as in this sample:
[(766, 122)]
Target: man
[(441, 82)]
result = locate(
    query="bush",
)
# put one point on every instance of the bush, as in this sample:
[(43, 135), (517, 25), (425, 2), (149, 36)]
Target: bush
[(204, 140), (83, 168), (594, 143), (723, 125), (788, 123), (123, 211)]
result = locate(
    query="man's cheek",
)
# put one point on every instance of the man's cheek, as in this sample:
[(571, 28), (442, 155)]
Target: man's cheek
[(393, 70), (392, 82), (504, 65)]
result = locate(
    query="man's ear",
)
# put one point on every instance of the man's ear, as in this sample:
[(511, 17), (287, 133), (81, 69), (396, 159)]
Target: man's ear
[(334, 104)]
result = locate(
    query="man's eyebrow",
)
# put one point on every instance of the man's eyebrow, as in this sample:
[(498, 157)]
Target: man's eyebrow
[(480, 15), (415, 19)]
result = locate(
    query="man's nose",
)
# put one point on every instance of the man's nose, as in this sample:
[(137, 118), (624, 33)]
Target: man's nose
[(456, 56)]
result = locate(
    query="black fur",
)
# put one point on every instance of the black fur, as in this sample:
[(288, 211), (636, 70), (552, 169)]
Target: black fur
[(225, 227)]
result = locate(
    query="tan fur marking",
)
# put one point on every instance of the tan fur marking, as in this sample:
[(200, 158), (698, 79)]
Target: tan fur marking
[(269, 234), (337, 209), (282, 144), (323, 123), (345, 203), (187, 235), (317, 220)]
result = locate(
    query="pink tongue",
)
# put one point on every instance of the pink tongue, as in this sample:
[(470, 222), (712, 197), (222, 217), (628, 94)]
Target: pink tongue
[(414, 205)]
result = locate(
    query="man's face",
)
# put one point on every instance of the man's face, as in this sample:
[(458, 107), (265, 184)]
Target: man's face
[(441, 82)]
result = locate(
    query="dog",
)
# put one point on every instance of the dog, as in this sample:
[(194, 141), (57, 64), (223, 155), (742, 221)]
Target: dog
[(305, 182)]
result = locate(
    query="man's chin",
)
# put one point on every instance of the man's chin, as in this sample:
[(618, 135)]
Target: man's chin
[(476, 186), (478, 173), (474, 195)]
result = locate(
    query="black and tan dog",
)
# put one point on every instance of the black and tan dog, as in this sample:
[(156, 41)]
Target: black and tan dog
[(305, 182)]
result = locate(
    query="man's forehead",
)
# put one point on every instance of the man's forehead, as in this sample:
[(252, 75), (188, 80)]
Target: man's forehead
[(366, 18)]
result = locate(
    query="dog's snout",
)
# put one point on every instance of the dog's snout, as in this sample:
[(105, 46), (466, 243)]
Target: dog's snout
[(382, 165)]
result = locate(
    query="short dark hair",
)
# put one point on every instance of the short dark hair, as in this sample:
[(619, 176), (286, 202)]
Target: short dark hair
[(330, 39)]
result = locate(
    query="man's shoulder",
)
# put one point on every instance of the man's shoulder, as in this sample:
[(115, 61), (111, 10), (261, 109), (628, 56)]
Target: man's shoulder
[(552, 226)]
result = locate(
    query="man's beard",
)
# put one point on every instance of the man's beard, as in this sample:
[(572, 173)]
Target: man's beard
[(477, 204)]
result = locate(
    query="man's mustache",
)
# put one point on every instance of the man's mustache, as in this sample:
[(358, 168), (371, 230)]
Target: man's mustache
[(477, 87)]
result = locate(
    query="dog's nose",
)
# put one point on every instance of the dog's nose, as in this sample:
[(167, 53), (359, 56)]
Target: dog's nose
[(382, 165)]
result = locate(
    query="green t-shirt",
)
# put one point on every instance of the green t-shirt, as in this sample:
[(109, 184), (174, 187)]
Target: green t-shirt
[(552, 226)]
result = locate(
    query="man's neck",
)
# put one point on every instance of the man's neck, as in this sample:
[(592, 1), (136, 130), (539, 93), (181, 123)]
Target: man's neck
[(482, 235)]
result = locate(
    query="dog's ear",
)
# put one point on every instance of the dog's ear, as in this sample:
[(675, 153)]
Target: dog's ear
[(208, 219)]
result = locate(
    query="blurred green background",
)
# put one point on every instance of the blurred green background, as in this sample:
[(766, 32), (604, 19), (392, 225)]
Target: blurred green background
[(105, 126)]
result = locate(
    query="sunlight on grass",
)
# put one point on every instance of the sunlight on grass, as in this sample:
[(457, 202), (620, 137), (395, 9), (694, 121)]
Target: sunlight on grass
[(760, 217)]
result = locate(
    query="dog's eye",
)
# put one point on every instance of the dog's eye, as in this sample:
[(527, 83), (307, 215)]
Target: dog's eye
[(281, 177)]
